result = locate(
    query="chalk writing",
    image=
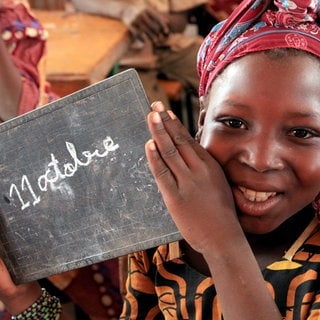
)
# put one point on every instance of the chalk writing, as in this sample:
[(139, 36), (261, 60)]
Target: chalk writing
[(56, 172)]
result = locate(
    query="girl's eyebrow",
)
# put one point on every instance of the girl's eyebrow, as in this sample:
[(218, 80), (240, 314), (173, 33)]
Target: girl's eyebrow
[(232, 103), (236, 105), (301, 114)]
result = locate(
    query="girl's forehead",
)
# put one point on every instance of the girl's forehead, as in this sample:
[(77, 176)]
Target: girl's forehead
[(290, 80), (268, 66)]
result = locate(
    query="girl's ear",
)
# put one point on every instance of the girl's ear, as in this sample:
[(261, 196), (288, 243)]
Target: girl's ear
[(202, 116)]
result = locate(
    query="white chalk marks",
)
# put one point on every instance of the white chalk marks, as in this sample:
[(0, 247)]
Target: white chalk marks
[(56, 172)]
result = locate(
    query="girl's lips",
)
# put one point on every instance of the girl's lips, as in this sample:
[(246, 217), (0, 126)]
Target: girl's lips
[(255, 203), (256, 196)]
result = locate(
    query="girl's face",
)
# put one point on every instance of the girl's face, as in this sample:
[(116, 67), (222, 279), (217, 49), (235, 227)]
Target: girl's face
[(263, 126)]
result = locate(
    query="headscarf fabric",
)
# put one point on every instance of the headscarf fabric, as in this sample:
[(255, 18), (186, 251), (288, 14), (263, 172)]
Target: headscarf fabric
[(259, 25)]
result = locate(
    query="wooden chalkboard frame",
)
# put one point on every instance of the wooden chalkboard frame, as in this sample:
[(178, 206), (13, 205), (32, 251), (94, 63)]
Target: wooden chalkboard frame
[(75, 185)]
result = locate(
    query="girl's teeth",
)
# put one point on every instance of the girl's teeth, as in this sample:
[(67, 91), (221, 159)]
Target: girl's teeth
[(256, 195)]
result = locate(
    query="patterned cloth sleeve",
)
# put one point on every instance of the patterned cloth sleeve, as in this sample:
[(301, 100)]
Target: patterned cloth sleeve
[(25, 39), (141, 300)]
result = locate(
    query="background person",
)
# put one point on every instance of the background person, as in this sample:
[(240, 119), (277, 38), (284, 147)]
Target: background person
[(160, 46)]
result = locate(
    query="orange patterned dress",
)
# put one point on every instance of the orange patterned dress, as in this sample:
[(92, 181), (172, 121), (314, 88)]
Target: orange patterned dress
[(159, 287)]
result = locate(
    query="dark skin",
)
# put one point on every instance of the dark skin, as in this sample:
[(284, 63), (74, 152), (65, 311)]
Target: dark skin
[(256, 167), (156, 26), (238, 180), (267, 248)]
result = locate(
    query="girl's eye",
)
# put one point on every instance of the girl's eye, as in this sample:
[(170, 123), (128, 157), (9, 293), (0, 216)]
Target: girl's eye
[(303, 133), (234, 123)]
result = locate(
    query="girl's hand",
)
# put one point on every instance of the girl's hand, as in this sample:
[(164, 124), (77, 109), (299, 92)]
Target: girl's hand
[(16, 298), (200, 202), (191, 181)]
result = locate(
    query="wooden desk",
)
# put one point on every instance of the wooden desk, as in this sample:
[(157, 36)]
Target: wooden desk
[(82, 48)]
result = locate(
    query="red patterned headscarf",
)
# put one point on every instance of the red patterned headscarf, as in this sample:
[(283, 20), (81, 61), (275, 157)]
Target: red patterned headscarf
[(258, 25)]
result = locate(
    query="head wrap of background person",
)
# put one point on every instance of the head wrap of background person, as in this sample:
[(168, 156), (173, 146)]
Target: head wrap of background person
[(258, 25)]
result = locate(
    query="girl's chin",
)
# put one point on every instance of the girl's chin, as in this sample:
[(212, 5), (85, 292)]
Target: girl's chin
[(257, 224)]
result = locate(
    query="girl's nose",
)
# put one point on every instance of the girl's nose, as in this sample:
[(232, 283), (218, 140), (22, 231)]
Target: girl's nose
[(262, 154)]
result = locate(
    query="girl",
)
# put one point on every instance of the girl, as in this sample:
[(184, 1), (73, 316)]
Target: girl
[(245, 198)]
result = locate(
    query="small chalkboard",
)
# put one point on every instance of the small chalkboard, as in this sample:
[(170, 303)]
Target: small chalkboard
[(75, 185)]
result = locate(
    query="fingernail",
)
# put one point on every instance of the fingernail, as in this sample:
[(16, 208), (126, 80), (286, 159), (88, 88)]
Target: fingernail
[(158, 106), (151, 145), (172, 115), (156, 117)]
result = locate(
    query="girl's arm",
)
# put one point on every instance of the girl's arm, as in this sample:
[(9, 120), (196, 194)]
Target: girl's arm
[(10, 85), (200, 201), (18, 298)]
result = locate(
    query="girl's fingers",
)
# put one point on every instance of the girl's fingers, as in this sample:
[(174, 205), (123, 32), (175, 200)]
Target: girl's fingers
[(167, 149), (162, 174), (158, 106), (180, 139)]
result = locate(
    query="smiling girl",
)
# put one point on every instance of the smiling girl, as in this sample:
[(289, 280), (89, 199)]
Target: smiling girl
[(244, 193), (243, 197)]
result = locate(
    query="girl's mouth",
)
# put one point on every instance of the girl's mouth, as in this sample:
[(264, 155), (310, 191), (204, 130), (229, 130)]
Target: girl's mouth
[(256, 196), (256, 203)]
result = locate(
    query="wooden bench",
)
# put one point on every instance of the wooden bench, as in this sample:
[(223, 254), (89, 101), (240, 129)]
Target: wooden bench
[(82, 48)]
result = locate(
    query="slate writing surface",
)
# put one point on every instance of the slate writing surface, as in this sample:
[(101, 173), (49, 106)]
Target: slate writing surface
[(75, 185)]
